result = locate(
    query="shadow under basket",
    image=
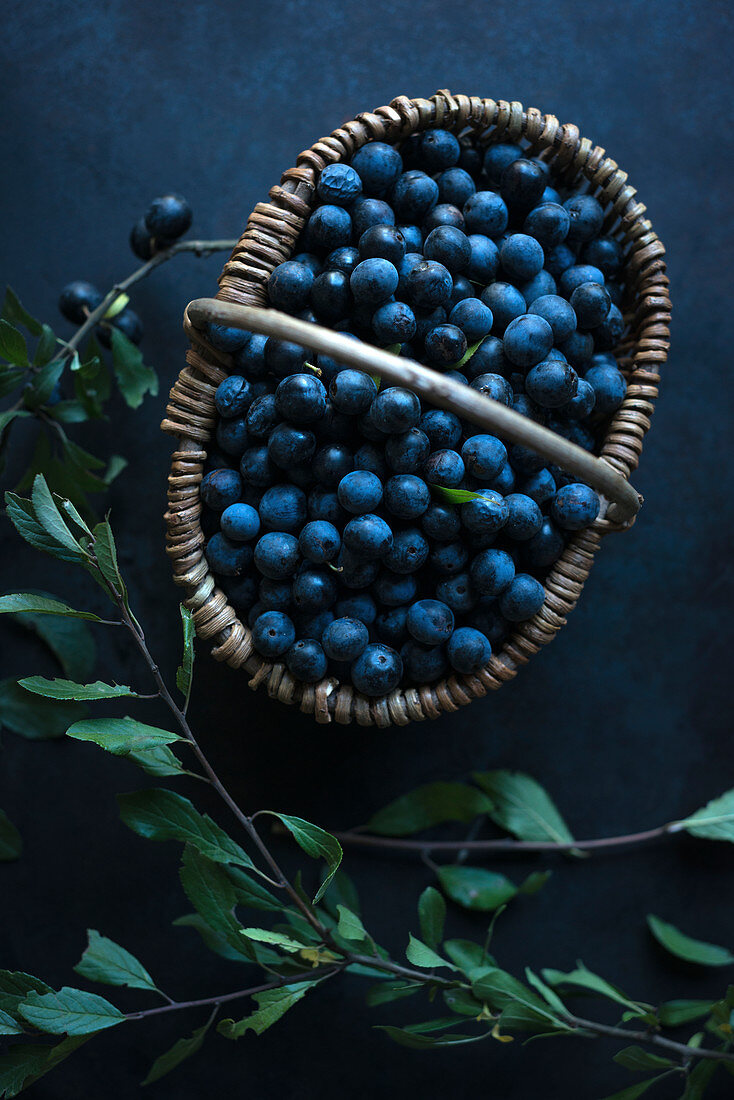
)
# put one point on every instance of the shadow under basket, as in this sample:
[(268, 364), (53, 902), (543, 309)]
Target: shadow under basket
[(268, 240)]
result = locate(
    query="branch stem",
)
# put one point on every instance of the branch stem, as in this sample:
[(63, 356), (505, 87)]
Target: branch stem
[(650, 1038), (400, 844)]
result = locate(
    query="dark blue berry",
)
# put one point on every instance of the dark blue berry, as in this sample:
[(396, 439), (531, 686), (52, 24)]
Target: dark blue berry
[(486, 514), (473, 317), (492, 571), (591, 303), (586, 217), (527, 340), (413, 196), (289, 446), (352, 392), (395, 410), (441, 522), (367, 212), (384, 242), (332, 462), (575, 506), (359, 606), (367, 537), (369, 457), (232, 435), (394, 323), (301, 398), (289, 286), (339, 184), (77, 300), (408, 552), (545, 547), (486, 213), (524, 516), (609, 387), (430, 622), (407, 496), (551, 383), (283, 357), (455, 186), (484, 456), (445, 468), (521, 256), (540, 486), (395, 589), (457, 593), (283, 508), (345, 639), (359, 492), (378, 166), (604, 253), (576, 276), (428, 284), (256, 467), (557, 312), (506, 303), (406, 452), (378, 670), (494, 386), (445, 345), (168, 217), (548, 223), (484, 259), (373, 281), (522, 184), (390, 626), (330, 227), (468, 650), (240, 522), (522, 599), (273, 633), (423, 664), (450, 247), (314, 590), (306, 661), (226, 557), (220, 488), (498, 156)]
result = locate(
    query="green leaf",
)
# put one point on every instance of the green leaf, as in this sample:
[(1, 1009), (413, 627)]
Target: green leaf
[(420, 954), (715, 821), (11, 844), (476, 887), (133, 377), (582, 978), (185, 671), (117, 306), (467, 355), (216, 943), (633, 1091), (69, 1012), (15, 312), (342, 891), (162, 815), (106, 551), (92, 386), (66, 689), (469, 957), (635, 1058), (272, 1005), (33, 716), (9, 1026), (431, 916), (455, 496), (462, 1002), (675, 1013), (315, 842), (698, 1078), (210, 891), (350, 927), (432, 804), (25, 1063), (388, 991), (50, 518), (546, 993), (64, 631), (105, 961), (405, 1038), (522, 807), (10, 378), (15, 987), (13, 347), (251, 893), (37, 392), (23, 518), (122, 736), (535, 881), (46, 347), (500, 990), (157, 760), (685, 947), (180, 1050)]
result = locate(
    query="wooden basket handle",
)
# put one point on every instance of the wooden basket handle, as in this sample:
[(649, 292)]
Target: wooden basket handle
[(622, 500)]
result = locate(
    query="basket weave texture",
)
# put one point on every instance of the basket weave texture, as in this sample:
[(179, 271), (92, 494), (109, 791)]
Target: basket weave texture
[(268, 240)]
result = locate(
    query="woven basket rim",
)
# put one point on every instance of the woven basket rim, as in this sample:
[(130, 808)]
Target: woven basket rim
[(268, 239)]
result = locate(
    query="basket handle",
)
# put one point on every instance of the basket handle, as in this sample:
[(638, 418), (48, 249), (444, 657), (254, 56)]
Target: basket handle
[(623, 501)]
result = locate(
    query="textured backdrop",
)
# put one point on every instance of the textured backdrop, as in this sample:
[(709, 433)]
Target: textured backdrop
[(625, 718)]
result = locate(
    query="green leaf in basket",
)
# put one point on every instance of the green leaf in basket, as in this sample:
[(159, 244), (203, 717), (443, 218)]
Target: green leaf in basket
[(467, 355), (455, 496)]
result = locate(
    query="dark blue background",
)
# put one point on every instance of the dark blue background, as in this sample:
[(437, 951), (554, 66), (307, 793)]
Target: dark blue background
[(625, 718)]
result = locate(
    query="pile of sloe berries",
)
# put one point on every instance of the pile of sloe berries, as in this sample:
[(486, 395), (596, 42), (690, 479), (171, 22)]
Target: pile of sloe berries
[(332, 513), (168, 217)]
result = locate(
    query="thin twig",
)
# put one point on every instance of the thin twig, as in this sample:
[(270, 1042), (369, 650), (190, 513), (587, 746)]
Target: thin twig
[(400, 844), (199, 248), (651, 1039)]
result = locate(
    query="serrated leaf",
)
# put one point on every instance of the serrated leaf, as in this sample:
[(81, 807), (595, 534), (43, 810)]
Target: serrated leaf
[(13, 347), (158, 814), (275, 939), (50, 518), (25, 1063), (431, 804), (181, 1049), (215, 942), (350, 927), (272, 1005), (431, 916), (420, 954), (500, 990), (675, 1013), (105, 961), (467, 355), (468, 956), (637, 1059), (15, 312), (698, 1078), (11, 844), (106, 552), (9, 1026), (545, 991), (454, 496), (315, 842), (185, 671), (157, 760), (63, 630), (583, 978), (342, 891), (23, 518), (134, 378), (122, 736), (523, 807), (251, 893), (69, 1012), (714, 821), (15, 987), (33, 716), (66, 689), (476, 887), (685, 947), (210, 891)]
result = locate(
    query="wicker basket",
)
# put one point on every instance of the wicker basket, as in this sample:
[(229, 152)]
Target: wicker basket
[(268, 240)]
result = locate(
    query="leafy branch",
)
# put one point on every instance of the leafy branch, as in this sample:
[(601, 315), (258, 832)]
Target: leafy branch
[(313, 939)]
